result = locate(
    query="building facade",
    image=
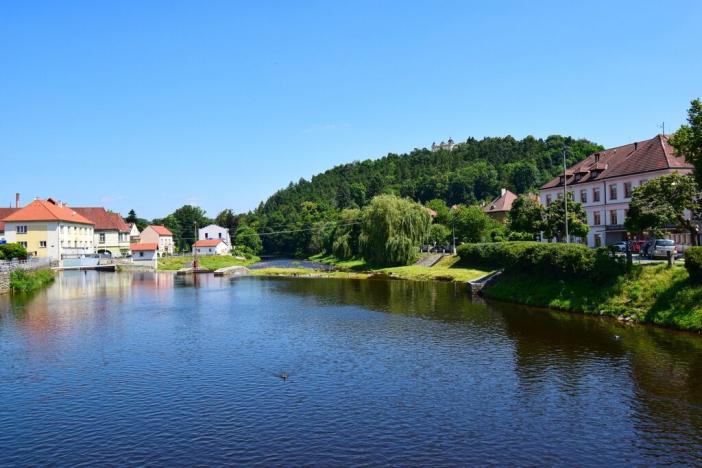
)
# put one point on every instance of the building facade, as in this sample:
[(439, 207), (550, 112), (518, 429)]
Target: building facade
[(159, 235), (501, 205), (145, 254), (211, 247), (111, 233), (214, 231), (604, 183), (447, 146), (50, 229)]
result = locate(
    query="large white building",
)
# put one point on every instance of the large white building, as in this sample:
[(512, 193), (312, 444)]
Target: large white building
[(604, 181), (214, 231), (50, 229)]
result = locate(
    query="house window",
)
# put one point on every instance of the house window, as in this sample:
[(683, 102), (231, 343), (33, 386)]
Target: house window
[(21, 229), (627, 189), (583, 196), (613, 192), (596, 218), (42, 244), (613, 217), (220, 235), (598, 240), (23, 244), (102, 237), (207, 235), (548, 200), (141, 254), (596, 194)]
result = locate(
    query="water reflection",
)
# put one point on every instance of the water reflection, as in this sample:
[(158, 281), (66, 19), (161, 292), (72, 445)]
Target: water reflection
[(381, 371)]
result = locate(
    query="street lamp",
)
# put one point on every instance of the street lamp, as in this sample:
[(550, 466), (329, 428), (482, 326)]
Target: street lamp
[(565, 196)]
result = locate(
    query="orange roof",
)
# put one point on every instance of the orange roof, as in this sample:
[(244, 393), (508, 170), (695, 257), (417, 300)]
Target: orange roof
[(655, 154), (4, 212), (104, 220), (208, 243), (146, 246), (160, 230), (47, 210), (501, 203)]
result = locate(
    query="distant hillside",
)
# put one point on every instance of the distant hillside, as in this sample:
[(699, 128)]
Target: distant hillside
[(473, 171)]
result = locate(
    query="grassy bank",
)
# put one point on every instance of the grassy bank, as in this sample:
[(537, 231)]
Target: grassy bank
[(648, 294), (448, 269), (22, 281), (211, 262)]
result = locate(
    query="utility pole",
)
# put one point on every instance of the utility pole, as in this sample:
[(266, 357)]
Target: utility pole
[(195, 262), (565, 196)]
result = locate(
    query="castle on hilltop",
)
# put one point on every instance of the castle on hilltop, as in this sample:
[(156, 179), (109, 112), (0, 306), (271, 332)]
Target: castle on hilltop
[(448, 146)]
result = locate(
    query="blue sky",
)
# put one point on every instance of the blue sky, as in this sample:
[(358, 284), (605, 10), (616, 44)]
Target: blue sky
[(151, 105)]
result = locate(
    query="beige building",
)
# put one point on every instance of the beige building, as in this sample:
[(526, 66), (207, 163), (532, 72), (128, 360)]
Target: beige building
[(159, 235), (111, 233), (50, 229)]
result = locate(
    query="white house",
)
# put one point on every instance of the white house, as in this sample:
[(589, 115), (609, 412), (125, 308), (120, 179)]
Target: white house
[(211, 247), (604, 182), (159, 235), (145, 254), (50, 229), (213, 231), (134, 233)]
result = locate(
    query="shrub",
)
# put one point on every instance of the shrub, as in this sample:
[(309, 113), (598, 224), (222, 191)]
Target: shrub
[(11, 251), (554, 260), (693, 263), (22, 281)]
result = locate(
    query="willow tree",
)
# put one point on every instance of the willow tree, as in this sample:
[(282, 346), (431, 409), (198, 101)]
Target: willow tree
[(392, 229)]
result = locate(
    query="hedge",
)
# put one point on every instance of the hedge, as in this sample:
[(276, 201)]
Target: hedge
[(693, 263), (554, 260)]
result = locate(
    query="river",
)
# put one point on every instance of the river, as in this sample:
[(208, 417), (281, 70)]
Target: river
[(153, 368)]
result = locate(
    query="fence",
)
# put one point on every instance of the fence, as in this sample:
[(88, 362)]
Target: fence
[(29, 264)]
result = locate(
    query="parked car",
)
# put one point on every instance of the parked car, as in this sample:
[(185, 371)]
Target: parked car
[(619, 246), (645, 249), (661, 247)]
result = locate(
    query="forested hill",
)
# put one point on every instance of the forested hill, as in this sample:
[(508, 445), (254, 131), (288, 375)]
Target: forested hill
[(473, 172)]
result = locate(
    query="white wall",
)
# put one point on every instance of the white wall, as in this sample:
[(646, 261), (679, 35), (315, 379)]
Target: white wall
[(214, 232)]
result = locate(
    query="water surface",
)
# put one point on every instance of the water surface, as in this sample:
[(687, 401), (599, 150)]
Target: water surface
[(106, 368)]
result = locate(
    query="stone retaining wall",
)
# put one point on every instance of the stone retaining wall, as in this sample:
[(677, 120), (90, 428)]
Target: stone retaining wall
[(6, 267)]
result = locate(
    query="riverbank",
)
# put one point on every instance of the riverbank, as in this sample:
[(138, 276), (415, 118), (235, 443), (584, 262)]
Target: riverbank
[(447, 269), (24, 281), (211, 262), (652, 294)]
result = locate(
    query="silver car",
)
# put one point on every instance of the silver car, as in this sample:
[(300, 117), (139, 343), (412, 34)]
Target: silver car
[(661, 247)]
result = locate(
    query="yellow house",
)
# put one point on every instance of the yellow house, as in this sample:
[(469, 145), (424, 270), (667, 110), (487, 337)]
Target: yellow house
[(49, 228)]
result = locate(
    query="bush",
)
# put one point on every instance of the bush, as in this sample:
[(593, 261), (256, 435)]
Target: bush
[(693, 263), (11, 251), (22, 281), (554, 260)]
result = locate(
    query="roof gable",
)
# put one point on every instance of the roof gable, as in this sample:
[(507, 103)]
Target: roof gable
[(160, 230), (502, 203), (104, 220), (47, 210)]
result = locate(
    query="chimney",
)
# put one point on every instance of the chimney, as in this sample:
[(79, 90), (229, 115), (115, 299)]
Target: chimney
[(503, 192), (636, 145), (17, 200)]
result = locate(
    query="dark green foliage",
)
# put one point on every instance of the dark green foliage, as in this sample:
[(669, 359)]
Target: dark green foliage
[(132, 218), (392, 230), (22, 281), (663, 201), (472, 172), (229, 220), (439, 235), (12, 251), (693, 263), (527, 217), (554, 220), (247, 240), (344, 237), (471, 223), (541, 259), (688, 139)]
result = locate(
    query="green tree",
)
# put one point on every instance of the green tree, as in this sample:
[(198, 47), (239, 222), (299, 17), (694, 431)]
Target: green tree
[(131, 217), (443, 214), (554, 220), (526, 216), (662, 202), (522, 175), (688, 139), (439, 234), (189, 218), (470, 223), (228, 219), (11, 251), (248, 240), (392, 230), (345, 235)]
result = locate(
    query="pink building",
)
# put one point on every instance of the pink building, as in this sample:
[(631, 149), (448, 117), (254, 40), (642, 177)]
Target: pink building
[(159, 235), (604, 181)]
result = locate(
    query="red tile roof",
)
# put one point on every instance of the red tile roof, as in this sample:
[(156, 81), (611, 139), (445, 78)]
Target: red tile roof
[(643, 156), (47, 210), (104, 220), (501, 203), (208, 242), (145, 246), (160, 230), (5, 212)]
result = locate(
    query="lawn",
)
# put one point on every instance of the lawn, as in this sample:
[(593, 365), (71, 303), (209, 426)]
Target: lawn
[(211, 262)]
